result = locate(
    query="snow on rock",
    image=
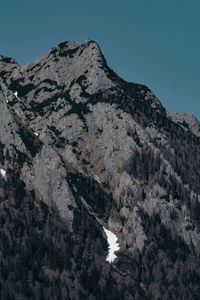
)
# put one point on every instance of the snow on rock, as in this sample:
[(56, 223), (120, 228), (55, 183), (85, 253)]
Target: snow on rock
[(3, 173), (16, 95), (113, 245), (97, 178)]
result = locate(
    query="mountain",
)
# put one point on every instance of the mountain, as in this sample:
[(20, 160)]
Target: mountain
[(88, 162)]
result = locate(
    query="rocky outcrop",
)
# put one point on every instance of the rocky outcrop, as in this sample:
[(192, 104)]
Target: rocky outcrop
[(82, 150), (186, 120)]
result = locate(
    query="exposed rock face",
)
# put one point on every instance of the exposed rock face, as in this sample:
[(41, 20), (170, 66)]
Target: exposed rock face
[(83, 149), (186, 120)]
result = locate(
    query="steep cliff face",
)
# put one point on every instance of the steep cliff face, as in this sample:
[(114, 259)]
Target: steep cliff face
[(82, 150)]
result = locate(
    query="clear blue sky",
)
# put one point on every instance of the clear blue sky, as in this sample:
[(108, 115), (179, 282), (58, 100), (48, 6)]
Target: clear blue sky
[(154, 42)]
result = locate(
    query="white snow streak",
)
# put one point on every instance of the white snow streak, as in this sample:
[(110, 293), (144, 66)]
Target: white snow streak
[(16, 95), (97, 178), (36, 133), (113, 245), (3, 173)]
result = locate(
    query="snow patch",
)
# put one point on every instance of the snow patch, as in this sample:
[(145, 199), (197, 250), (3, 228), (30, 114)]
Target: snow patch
[(16, 95), (3, 173), (113, 245), (97, 178), (36, 133)]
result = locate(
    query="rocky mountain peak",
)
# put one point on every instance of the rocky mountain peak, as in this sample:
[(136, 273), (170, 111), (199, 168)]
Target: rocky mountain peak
[(80, 68), (84, 153)]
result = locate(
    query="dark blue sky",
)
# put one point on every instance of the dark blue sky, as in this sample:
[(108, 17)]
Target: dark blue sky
[(153, 42)]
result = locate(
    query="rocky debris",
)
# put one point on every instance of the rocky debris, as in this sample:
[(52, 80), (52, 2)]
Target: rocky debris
[(85, 150)]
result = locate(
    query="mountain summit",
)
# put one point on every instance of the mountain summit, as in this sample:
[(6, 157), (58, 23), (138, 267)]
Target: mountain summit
[(90, 164)]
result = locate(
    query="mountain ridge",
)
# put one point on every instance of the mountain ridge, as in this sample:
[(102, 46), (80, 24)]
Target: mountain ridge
[(85, 149), (70, 47)]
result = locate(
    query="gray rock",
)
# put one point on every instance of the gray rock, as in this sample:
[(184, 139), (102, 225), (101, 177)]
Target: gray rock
[(92, 145), (187, 121)]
